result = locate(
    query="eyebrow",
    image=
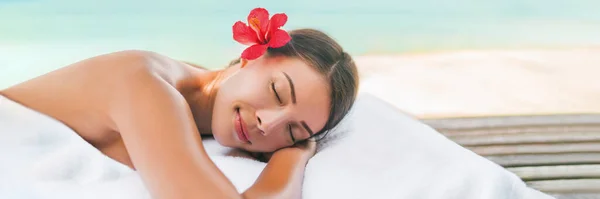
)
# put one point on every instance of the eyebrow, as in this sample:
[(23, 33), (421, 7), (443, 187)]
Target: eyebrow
[(307, 129), (293, 90)]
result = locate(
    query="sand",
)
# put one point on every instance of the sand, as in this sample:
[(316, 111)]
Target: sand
[(486, 83)]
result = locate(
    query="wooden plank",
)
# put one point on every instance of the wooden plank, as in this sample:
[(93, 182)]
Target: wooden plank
[(577, 147), (527, 138), (567, 186), (577, 196), (546, 159), (512, 121), (564, 128), (557, 172)]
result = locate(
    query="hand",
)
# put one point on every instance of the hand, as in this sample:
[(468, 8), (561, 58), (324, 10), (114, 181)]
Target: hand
[(305, 149), (308, 147)]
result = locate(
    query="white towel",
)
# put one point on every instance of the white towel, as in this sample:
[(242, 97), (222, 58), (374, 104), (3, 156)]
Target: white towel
[(377, 152)]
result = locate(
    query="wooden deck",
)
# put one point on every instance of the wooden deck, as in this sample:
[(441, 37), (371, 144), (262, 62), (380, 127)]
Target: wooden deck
[(556, 154)]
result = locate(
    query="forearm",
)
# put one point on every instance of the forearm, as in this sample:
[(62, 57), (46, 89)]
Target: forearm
[(164, 143), (281, 178)]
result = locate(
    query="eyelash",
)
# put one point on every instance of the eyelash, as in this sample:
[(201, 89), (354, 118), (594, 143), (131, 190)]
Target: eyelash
[(275, 91), (291, 134)]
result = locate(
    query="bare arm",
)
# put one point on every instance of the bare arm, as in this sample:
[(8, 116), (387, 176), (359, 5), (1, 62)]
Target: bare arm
[(283, 176), (163, 142)]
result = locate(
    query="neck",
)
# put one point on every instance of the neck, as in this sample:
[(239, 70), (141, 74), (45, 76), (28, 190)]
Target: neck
[(200, 91)]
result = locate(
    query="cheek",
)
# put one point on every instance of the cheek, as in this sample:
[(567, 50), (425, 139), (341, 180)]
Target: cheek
[(246, 88), (220, 124)]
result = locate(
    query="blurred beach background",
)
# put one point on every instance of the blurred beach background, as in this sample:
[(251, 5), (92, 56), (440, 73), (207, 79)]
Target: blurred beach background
[(443, 58)]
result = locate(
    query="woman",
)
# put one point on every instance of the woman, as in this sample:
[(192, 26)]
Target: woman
[(148, 111)]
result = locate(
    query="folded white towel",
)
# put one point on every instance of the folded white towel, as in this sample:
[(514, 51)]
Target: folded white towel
[(377, 152)]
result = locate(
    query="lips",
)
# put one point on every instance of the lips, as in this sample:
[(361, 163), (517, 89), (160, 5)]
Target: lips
[(240, 128)]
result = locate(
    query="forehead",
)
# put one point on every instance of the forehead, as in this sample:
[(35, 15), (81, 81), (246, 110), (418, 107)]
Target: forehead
[(311, 89)]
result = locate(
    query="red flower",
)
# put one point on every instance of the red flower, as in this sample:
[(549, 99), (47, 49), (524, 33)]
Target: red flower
[(261, 33)]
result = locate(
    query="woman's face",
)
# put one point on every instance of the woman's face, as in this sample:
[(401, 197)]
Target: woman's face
[(269, 104)]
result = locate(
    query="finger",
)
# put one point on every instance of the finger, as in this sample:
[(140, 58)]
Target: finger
[(311, 143)]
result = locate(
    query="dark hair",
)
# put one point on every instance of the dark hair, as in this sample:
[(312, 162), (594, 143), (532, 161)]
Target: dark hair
[(328, 58)]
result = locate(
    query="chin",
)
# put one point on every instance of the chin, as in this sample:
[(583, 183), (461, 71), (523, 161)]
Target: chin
[(223, 140), (219, 138)]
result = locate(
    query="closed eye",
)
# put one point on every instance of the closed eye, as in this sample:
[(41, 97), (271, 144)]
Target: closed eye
[(276, 94), (291, 134)]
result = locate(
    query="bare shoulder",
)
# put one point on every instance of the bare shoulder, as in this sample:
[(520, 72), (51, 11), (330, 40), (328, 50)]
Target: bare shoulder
[(140, 61), (101, 74), (135, 61)]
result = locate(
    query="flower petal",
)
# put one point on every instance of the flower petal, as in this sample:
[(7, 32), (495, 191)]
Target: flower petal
[(279, 38), (258, 19), (276, 22), (244, 34), (254, 52), (244, 62)]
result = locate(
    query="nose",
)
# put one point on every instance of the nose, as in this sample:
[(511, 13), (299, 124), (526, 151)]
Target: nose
[(269, 120)]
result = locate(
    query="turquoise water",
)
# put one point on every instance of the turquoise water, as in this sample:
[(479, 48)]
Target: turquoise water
[(37, 36)]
